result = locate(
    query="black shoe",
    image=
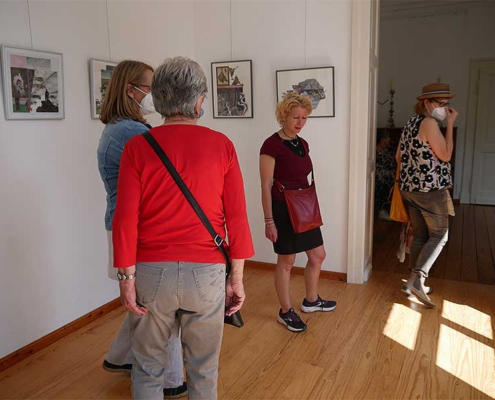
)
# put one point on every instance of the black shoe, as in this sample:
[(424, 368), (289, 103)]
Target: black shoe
[(107, 366), (318, 305), (175, 393), (291, 320)]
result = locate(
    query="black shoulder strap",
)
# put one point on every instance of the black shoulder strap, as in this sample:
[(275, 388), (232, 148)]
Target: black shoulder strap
[(190, 198)]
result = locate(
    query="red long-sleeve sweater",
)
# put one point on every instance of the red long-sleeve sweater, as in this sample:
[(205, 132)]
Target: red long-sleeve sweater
[(153, 220)]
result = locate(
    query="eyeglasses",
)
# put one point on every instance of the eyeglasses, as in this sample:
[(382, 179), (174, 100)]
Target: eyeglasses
[(442, 103)]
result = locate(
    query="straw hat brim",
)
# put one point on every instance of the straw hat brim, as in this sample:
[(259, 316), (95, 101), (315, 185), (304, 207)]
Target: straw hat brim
[(436, 96)]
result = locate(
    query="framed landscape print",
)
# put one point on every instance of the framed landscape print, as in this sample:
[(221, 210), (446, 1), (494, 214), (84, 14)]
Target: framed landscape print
[(100, 73), (316, 83), (33, 84), (232, 83)]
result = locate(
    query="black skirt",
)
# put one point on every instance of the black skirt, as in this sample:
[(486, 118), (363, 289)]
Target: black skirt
[(289, 242)]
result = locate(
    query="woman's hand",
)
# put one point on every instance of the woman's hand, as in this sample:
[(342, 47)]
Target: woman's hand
[(271, 232), (452, 115), (128, 297), (234, 294)]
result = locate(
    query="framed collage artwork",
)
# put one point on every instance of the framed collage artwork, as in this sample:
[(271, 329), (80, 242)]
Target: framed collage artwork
[(316, 83), (232, 92), (33, 84), (100, 73)]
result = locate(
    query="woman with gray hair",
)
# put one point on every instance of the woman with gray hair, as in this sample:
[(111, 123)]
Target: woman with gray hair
[(160, 241)]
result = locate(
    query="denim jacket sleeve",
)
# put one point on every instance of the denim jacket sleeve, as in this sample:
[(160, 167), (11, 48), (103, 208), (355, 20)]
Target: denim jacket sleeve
[(111, 146)]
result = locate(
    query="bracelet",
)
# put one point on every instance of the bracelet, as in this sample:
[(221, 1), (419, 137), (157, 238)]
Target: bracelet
[(269, 223), (125, 277), (268, 218)]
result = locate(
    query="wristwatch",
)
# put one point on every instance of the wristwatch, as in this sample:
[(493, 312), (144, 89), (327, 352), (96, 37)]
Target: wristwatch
[(124, 277)]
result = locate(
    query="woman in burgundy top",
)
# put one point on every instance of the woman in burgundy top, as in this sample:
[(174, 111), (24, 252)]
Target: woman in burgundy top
[(284, 157), (158, 238)]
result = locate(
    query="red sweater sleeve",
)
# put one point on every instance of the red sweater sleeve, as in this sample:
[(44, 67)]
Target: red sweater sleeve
[(125, 220), (234, 203)]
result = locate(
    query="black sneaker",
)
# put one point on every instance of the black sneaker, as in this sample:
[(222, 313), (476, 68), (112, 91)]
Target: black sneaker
[(291, 320), (318, 305), (107, 366), (175, 393)]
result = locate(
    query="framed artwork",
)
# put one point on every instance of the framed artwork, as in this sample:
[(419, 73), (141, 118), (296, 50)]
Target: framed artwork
[(316, 83), (232, 89), (100, 73), (33, 84)]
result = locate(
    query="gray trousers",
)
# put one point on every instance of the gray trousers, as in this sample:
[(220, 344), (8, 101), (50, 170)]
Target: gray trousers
[(430, 220), (178, 295), (120, 350)]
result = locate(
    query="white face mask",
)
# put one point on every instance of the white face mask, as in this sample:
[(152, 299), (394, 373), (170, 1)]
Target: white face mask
[(146, 105), (438, 113)]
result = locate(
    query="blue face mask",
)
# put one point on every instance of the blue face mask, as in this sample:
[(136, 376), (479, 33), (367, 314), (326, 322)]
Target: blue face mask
[(201, 113)]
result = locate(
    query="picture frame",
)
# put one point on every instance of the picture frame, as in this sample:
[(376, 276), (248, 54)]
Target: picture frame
[(316, 83), (100, 72), (33, 84), (232, 84)]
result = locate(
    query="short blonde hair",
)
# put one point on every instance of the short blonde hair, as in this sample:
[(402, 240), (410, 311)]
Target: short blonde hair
[(288, 102)]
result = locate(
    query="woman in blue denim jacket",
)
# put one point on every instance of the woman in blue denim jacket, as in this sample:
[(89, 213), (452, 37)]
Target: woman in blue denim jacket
[(127, 100)]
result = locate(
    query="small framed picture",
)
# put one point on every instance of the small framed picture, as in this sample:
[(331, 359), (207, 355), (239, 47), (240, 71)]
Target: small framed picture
[(232, 83), (33, 84), (316, 83), (100, 73)]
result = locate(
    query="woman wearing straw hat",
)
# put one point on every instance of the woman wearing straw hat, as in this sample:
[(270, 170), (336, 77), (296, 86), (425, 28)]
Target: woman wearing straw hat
[(425, 177)]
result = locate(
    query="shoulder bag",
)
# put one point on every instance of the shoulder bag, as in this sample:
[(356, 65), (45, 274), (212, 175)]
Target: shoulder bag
[(303, 207), (234, 319)]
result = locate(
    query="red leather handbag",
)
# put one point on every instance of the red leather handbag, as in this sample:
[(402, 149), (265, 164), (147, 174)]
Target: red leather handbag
[(303, 207)]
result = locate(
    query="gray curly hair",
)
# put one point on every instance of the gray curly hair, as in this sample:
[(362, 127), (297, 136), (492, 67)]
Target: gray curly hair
[(176, 86)]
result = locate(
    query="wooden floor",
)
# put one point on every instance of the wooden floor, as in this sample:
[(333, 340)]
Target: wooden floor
[(468, 256), (377, 344)]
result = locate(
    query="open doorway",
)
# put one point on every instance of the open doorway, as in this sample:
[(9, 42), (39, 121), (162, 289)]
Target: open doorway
[(423, 42), (478, 184)]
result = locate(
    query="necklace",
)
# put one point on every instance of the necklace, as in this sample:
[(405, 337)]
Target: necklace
[(291, 139)]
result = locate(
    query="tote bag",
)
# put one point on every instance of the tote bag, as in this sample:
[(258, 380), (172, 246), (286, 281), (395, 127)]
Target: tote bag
[(398, 211)]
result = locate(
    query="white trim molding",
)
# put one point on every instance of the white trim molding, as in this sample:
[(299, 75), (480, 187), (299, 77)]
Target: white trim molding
[(358, 151), (474, 76)]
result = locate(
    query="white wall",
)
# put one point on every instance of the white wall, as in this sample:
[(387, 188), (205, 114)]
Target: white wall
[(417, 51), (52, 241), (272, 34), (53, 250)]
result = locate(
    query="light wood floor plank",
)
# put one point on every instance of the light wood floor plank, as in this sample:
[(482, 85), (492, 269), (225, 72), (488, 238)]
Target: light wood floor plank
[(377, 344)]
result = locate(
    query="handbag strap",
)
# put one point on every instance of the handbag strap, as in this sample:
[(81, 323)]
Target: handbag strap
[(217, 239), (281, 187)]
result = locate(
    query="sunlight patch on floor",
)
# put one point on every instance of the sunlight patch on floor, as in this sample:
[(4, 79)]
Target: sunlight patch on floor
[(402, 325), (467, 359), (469, 318)]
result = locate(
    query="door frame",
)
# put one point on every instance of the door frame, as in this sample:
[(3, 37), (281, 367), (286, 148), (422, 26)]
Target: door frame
[(467, 173), (358, 269)]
